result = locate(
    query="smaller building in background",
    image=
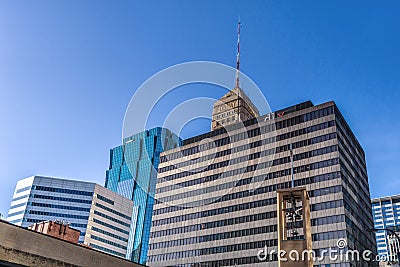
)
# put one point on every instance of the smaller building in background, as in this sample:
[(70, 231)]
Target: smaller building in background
[(58, 230), (233, 107), (102, 216), (386, 214)]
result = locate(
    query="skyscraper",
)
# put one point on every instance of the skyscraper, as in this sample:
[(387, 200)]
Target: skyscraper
[(216, 194), (233, 107), (133, 173), (102, 216), (386, 214)]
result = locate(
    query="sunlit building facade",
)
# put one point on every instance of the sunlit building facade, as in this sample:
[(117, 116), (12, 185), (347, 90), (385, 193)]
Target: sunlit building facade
[(133, 174), (216, 194)]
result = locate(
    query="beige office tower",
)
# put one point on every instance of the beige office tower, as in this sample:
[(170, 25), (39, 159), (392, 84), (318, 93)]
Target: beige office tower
[(294, 228), (233, 107), (216, 200), (109, 224)]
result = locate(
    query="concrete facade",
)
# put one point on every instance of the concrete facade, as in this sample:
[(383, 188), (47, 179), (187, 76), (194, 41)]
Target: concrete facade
[(216, 195), (19, 247), (109, 222)]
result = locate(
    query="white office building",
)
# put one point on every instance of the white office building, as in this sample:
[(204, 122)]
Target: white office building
[(386, 214), (102, 216)]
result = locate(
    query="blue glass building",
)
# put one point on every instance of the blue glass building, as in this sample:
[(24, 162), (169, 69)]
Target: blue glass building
[(386, 214), (133, 174)]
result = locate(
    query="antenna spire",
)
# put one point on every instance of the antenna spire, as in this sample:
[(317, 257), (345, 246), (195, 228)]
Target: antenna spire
[(238, 54)]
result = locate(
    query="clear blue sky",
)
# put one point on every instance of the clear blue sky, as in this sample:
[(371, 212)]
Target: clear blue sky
[(69, 68)]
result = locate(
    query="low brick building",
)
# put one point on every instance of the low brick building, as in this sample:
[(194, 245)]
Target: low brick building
[(58, 230)]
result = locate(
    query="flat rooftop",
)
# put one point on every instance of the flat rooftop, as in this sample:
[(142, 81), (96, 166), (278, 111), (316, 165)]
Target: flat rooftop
[(23, 247)]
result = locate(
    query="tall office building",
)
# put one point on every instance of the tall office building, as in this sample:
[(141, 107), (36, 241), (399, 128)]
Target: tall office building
[(102, 216), (235, 106), (133, 174), (386, 214), (216, 194)]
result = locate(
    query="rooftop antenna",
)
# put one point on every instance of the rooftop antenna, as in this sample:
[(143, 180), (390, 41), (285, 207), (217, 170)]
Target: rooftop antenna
[(237, 69), (238, 54)]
